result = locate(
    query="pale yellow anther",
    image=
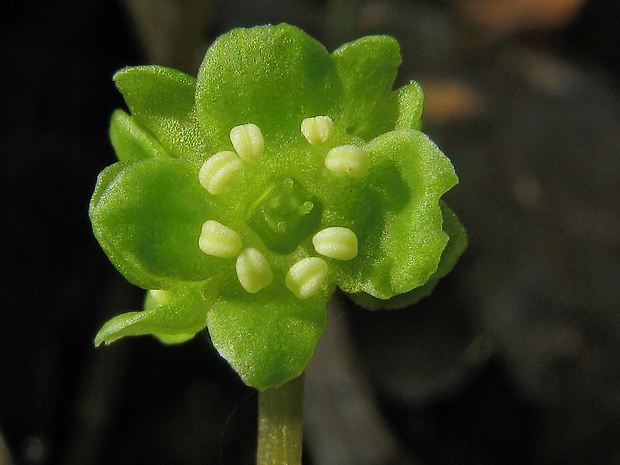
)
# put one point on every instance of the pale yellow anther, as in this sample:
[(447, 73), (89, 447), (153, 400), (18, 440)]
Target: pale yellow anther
[(219, 170), (253, 270), (317, 130), (218, 240), (349, 160), (248, 142), (336, 242), (306, 277), (161, 296)]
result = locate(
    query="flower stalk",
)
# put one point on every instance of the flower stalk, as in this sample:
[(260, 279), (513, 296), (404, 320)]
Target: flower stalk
[(280, 424)]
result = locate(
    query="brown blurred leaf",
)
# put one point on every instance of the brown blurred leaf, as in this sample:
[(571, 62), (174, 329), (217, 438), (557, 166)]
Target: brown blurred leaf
[(450, 99), (507, 17)]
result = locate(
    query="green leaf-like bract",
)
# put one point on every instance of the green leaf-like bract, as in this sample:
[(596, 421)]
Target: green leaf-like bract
[(255, 274)]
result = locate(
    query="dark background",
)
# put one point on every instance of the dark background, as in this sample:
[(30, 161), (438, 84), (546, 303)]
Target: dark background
[(515, 359)]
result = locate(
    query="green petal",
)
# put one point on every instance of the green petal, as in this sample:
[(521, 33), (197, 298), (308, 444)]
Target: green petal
[(267, 339), (131, 141), (454, 248), (272, 76), (173, 323), (399, 220), (147, 217), (410, 104), (401, 109), (367, 69), (162, 100), (456, 244)]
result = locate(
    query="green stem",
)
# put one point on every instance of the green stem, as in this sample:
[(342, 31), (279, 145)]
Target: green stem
[(280, 421)]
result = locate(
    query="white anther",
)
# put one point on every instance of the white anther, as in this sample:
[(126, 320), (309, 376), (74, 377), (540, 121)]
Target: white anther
[(161, 297), (336, 242), (219, 170), (349, 160), (218, 240), (253, 270), (317, 130), (306, 277), (248, 142)]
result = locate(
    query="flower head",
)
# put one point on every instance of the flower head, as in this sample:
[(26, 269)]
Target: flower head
[(242, 198)]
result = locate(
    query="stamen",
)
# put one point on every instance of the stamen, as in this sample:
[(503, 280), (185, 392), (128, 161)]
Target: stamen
[(349, 160), (317, 130), (306, 277), (248, 142), (336, 242), (219, 170), (162, 297), (253, 270), (218, 240)]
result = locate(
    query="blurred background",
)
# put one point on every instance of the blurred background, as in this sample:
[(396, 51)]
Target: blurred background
[(515, 358)]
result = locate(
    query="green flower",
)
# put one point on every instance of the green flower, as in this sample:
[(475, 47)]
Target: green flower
[(242, 198)]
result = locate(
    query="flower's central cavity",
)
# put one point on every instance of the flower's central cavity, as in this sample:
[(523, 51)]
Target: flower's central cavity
[(285, 215)]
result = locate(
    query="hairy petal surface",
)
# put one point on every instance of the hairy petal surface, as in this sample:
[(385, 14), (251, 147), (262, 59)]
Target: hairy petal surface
[(456, 245), (270, 340), (162, 101), (271, 76), (367, 69), (410, 100), (402, 241), (176, 318), (132, 141), (147, 217)]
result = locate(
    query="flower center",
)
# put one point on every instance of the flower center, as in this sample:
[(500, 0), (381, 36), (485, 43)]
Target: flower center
[(285, 215)]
